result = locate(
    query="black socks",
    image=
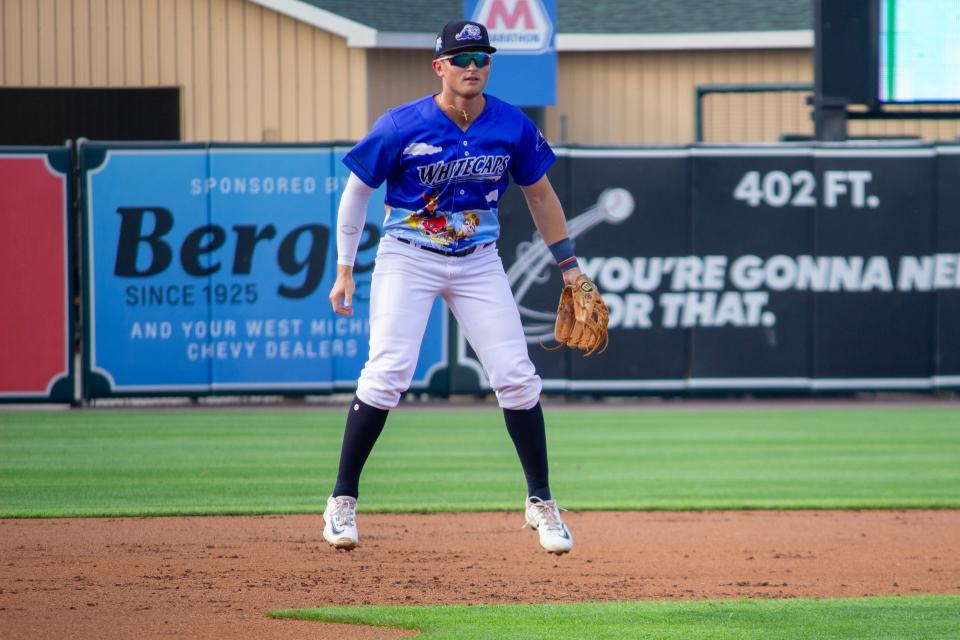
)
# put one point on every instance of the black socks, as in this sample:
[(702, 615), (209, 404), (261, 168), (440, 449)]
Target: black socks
[(364, 424), (528, 433)]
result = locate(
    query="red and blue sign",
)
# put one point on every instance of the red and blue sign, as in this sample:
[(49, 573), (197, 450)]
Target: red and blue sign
[(524, 33)]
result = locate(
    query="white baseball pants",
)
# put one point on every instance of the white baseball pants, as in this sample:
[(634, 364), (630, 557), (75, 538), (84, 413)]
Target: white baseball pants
[(406, 280)]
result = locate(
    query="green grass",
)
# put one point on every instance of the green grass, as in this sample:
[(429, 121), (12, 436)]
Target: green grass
[(914, 618), (109, 462)]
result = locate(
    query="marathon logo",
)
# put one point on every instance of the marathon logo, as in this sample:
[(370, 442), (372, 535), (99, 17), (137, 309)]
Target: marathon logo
[(478, 168)]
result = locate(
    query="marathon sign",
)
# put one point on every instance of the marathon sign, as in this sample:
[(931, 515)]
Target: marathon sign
[(207, 269), (752, 268), (524, 71), (516, 25)]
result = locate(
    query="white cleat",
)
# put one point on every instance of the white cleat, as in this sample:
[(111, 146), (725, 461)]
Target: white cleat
[(340, 522), (544, 516)]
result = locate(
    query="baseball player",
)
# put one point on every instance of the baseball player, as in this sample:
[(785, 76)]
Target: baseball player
[(447, 160)]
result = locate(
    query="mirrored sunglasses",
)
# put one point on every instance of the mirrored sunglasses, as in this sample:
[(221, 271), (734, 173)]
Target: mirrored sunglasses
[(463, 60)]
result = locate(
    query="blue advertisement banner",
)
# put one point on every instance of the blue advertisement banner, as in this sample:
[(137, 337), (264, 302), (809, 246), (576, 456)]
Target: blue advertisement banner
[(208, 269), (524, 32)]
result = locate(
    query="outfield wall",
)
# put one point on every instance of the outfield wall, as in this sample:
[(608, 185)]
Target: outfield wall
[(205, 269)]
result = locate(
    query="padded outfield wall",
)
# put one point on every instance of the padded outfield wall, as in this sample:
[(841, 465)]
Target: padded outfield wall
[(205, 270)]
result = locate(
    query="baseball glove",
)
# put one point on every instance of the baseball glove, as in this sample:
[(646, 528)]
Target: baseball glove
[(582, 317)]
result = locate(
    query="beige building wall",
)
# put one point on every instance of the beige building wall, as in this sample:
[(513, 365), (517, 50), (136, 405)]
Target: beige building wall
[(246, 73), (647, 97), (940, 130), (397, 76), (249, 74)]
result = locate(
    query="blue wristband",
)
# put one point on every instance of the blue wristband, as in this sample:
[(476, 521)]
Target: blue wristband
[(563, 253)]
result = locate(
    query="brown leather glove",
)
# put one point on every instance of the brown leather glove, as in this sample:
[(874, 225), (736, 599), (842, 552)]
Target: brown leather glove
[(582, 317)]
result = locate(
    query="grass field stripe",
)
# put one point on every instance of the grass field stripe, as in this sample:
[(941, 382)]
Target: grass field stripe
[(258, 461), (903, 618)]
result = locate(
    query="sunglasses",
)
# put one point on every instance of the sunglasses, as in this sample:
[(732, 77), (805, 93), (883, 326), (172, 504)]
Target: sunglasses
[(463, 60)]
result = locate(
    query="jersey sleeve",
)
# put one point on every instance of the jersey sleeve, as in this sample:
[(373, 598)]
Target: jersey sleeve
[(532, 155), (378, 154)]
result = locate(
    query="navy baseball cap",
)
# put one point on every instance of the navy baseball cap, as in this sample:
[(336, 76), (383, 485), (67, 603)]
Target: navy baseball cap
[(462, 35)]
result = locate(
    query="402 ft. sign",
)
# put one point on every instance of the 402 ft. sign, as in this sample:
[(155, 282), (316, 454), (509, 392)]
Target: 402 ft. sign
[(208, 269), (799, 189)]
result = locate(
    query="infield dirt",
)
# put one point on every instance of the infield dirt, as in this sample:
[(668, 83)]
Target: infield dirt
[(206, 578)]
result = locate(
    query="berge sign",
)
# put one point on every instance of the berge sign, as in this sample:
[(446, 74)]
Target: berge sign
[(207, 269)]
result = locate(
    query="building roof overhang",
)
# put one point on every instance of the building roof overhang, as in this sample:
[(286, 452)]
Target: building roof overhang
[(364, 36)]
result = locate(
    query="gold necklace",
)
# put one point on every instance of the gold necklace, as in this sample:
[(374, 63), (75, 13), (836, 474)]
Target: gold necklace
[(466, 117)]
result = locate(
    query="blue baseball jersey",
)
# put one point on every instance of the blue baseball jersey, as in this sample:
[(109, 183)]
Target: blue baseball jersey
[(443, 183)]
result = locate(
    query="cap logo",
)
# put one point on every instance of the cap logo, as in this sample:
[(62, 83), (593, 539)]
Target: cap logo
[(469, 32)]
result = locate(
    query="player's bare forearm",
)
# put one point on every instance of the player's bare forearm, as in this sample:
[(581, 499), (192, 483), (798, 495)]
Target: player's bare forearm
[(547, 213), (341, 294), (546, 210)]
